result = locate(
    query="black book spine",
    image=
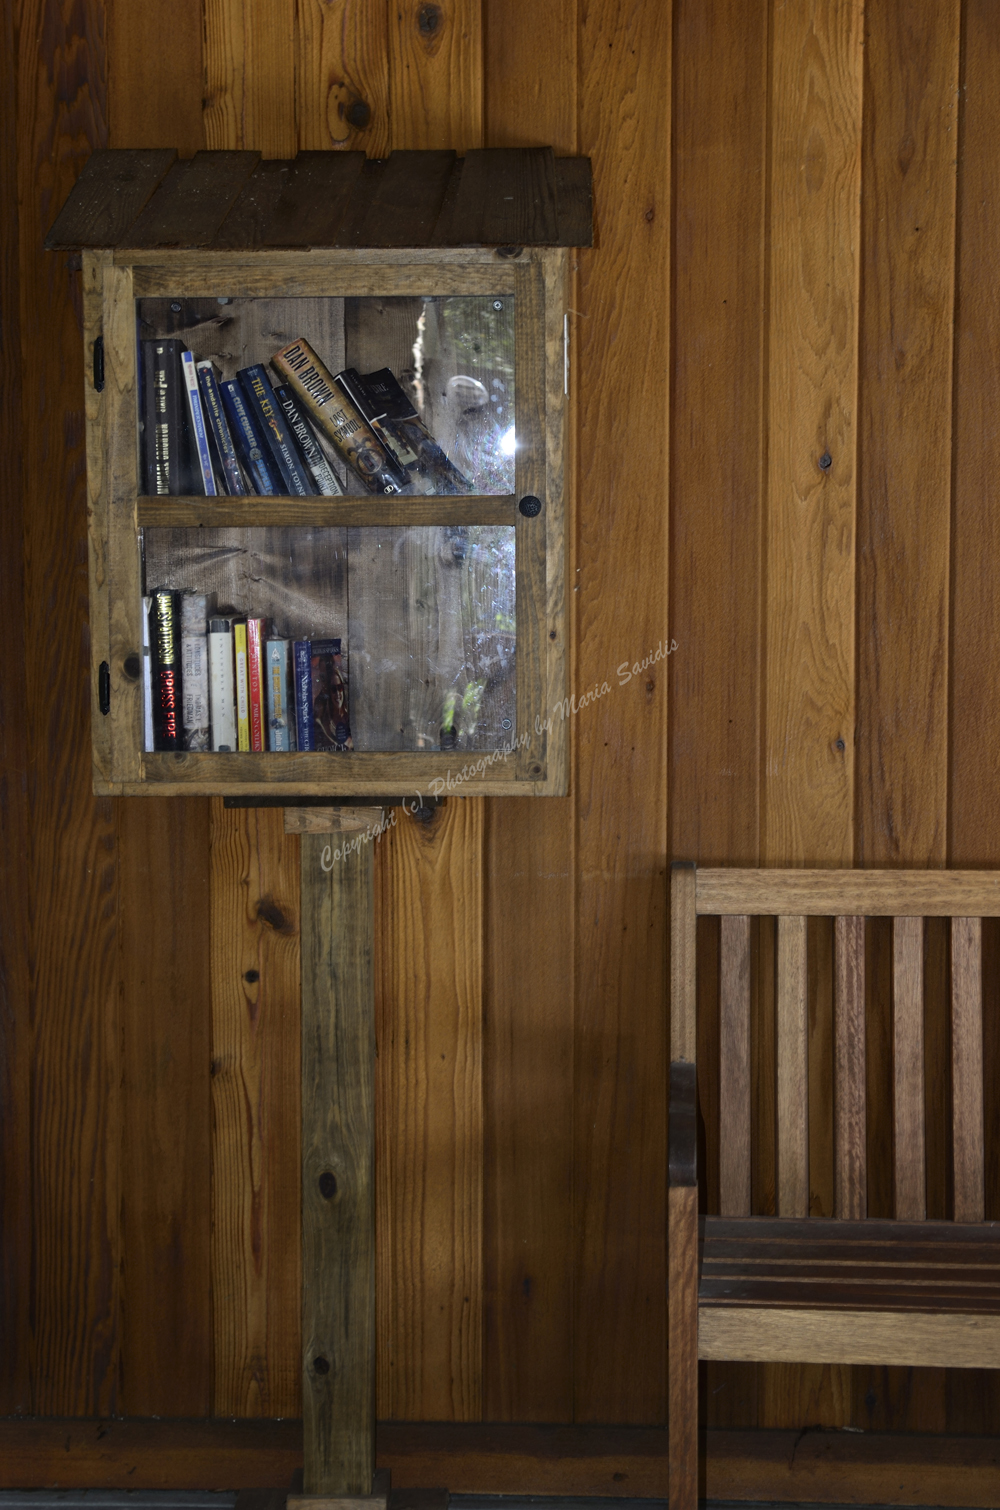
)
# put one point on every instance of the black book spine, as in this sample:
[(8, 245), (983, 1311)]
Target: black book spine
[(154, 474), (164, 399), (165, 650), (260, 396)]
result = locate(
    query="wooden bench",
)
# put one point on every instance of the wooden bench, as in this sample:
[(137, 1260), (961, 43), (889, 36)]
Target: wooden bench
[(790, 1287)]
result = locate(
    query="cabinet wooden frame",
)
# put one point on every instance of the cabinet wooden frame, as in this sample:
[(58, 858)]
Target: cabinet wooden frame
[(537, 762)]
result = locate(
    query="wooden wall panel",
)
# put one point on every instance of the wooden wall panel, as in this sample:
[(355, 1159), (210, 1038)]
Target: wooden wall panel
[(71, 870), (155, 75), (342, 76), (529, 977), (256, 1106), (436, 74), (250, 76), (429, 1100), (618, 780), (15, 1023), (165, 1012), (814, 251)]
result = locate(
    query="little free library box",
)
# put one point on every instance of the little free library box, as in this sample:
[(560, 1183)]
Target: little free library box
[(325, 411)]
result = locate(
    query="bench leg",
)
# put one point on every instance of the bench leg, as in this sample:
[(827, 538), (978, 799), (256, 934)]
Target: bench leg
[(682, 1303)]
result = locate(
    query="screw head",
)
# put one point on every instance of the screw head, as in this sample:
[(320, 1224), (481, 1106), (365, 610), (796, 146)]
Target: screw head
[(498, 304), (505, 723), (530, 506), (176, 308)]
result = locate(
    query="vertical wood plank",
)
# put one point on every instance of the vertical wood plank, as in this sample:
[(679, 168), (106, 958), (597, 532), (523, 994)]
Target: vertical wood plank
[(717, 429), (793, 1069), (15, 941), (255, 1113), (431, 1132), (904, 499), (620, 1068), (338, 1174), (734, 1068), (816, 71), (682, 1281), (850, 1163), (166, 1202), (820, 1050), (156, 82), (908, 1068), (342, 76), (436, 74), (250, 76), (529, 75), (975, 649), (683, 961), (71, 864), (967, 1066)]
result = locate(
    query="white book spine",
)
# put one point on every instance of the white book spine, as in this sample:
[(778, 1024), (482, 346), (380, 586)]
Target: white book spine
[(198, 422), (147, 680), (222, 691), (194, 671)]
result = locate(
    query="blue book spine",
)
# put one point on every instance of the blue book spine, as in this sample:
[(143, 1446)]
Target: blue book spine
[(303, 694), (267, 411), (202, 453), (250, 445), (280, 717), (211, 402)]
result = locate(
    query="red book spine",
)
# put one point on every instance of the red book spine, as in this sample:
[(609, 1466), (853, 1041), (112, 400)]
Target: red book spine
[(256, 635)]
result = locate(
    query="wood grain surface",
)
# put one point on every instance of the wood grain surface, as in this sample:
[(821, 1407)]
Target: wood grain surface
[(908, 1068), (429, 1087), (436, 74), (342, 76), (338, 1169), (255, 1113), (814, 259), (850, 1163)]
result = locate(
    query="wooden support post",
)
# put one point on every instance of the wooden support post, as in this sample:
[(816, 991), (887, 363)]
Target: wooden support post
[(338, 1172)]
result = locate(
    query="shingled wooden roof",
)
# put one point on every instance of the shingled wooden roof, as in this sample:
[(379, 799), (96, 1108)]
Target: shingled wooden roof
[(237, 201)]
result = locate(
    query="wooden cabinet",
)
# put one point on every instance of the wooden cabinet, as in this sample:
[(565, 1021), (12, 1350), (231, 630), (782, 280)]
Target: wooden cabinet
[(450, 606)]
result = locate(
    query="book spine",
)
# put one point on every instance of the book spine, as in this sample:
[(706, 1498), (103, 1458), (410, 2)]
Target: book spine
[(330, 720), (232, 475), (147, 680), (194, 666), (323, 475), (250, 446), (260, 397), (169, 431), (280, 727), (305, 374), (165, 637), (153, 470), (203, 470), (242, 685), (222, 688), (303, 695), (256, 631)]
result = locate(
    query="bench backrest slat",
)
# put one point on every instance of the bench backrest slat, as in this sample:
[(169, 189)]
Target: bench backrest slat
[(908, 1068), (869, 893), (849, 1126), (967, 1067), (793, 1069), (734, 1066)]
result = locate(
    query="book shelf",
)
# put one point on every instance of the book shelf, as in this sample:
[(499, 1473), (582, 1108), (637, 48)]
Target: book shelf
[(450, 606), (443, 602)]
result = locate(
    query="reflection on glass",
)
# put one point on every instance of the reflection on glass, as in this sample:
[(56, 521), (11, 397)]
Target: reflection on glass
[(425, 616), (318, 396)]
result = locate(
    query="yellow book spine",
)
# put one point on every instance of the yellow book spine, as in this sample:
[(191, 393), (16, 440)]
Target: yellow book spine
[(242, 687)]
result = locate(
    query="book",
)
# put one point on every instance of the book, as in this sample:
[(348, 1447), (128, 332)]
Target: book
[(301, 369), (165, 424), (230, 472), (380, 401), (325, 479), (222, 686), (147, 680), (302, 656), (196, 719), (204, 477), (284, 452), (330, 720), (165, 649), (242, 684), (280, 709), (257, 694), (248, 439)]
